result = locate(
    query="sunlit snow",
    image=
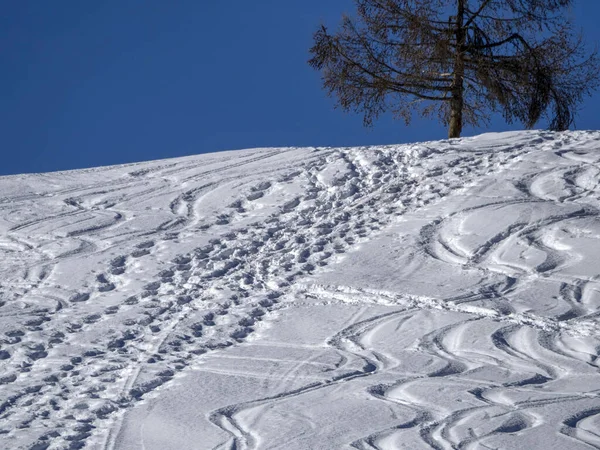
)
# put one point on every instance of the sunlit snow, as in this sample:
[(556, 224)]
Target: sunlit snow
[(437, 295)]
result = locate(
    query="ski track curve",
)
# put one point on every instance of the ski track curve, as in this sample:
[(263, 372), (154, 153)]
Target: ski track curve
[(73, 369)]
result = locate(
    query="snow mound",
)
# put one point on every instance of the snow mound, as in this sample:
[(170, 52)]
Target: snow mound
[(435, 295)]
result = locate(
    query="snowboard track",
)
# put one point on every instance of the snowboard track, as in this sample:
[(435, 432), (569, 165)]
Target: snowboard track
[(249, 267)]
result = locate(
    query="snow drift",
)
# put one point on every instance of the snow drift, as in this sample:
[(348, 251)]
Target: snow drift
[(437, 295)]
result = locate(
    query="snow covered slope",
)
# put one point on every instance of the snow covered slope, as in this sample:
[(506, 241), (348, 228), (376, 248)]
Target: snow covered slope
[(438, 295)]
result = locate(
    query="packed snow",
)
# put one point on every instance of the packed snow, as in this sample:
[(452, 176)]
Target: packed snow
[(437, 295)]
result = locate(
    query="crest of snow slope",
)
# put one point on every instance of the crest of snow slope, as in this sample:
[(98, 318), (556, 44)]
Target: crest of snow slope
[(437, 295)]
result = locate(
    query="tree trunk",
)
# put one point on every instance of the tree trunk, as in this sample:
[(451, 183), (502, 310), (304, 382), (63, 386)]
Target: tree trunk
[(456, 113), (457, 100)]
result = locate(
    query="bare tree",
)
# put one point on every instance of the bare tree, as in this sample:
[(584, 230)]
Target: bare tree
[(459, 59)]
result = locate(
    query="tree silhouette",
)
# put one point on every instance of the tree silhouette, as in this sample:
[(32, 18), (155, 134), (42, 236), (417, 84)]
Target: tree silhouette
[(458, 59)]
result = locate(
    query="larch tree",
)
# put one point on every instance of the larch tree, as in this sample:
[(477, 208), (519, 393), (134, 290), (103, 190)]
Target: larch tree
[(460, 60)]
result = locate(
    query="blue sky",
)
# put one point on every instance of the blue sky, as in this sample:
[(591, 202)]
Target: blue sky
[(94, 83)]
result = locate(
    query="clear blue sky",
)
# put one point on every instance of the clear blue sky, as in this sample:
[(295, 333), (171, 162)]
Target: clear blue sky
[(87, 83)]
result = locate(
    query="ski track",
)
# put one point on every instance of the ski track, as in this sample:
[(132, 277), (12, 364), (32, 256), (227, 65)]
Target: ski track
[(248, 226)]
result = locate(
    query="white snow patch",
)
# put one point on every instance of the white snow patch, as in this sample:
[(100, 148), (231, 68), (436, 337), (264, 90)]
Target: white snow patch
[(434, 295)]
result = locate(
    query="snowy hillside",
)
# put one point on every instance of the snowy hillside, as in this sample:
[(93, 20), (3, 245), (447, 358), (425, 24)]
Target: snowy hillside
[(438, 295)]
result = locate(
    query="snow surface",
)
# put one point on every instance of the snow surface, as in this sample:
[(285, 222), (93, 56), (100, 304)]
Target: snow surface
[(438, 295)]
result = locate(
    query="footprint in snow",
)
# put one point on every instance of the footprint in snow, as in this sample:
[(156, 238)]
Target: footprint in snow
[(117, 265), (79, 297), (142, 249)]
